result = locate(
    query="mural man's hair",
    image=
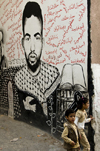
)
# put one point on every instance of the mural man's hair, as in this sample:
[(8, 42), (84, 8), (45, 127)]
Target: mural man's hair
[(2, 36), (32, 8)]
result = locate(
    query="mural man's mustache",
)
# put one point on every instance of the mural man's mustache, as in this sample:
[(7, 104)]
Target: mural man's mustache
[(32, 56)]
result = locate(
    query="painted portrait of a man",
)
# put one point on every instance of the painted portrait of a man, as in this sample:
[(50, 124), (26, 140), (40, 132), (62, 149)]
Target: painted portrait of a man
[(37, 80)]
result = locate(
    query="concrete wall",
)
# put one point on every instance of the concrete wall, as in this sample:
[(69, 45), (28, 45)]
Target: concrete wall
[(95, 32), (95, 46)]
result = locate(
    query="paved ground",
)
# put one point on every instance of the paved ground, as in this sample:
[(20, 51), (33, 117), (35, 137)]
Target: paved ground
[(19, 136)]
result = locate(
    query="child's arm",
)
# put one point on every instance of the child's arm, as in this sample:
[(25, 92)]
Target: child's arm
[(86, 120), (76, 120), (66, 138), (77, 117), (89, 119)]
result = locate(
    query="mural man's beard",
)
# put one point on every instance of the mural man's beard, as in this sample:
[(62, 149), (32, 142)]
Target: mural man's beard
[(34, 66)]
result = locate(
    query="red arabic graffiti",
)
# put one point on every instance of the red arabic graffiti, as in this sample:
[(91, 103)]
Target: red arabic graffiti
[(64, 28), (42, 1), (53, 60), (65, 31), (12, 15), (82, 60), (2, 3), (51, 7)]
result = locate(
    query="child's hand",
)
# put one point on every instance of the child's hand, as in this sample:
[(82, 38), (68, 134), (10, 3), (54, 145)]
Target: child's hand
[(72, 143), (91, 117)]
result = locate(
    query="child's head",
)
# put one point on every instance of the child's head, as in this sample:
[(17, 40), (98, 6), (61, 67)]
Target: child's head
[(70, 115), (83, 103)]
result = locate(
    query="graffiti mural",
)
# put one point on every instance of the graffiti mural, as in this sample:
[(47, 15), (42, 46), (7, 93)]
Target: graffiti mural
[(43, 54)]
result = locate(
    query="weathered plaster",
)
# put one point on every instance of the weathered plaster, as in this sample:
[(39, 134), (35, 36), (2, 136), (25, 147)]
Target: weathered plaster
[(96, 105)]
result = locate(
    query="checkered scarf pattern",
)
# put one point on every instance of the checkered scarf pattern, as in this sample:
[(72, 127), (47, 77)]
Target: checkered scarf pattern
[(39, 86)]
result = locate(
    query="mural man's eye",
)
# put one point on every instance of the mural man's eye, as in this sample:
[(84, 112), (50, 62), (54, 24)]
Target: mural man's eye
[(38, 38), (27, 38)]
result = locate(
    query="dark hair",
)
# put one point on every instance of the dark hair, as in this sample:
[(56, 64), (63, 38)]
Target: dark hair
[(69, 111), (81, 102), (32, 8)]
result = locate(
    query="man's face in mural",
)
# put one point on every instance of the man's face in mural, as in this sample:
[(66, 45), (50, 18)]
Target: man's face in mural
[(32, 42)]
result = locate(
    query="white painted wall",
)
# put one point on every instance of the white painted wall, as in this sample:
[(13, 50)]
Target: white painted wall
[(96, 105)]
